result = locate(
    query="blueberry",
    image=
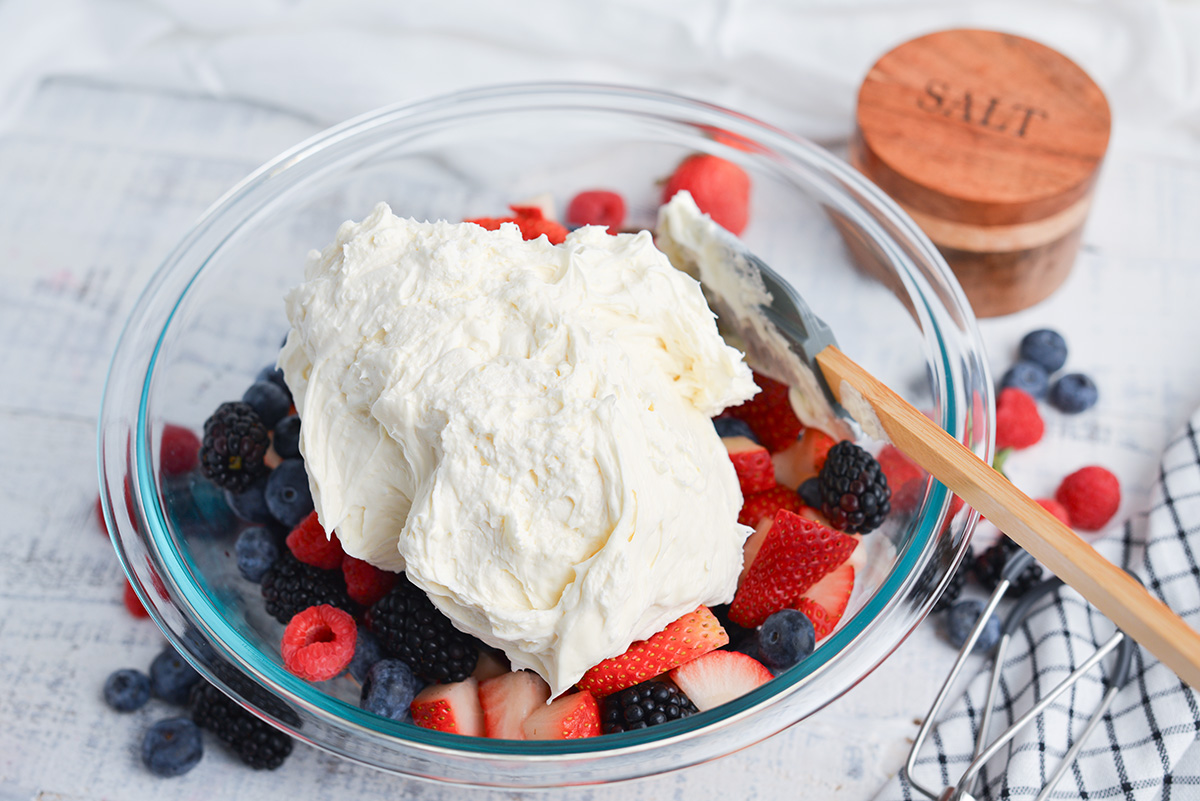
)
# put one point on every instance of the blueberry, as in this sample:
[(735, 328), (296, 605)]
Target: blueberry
[(785, 638), (733, 427), (127, 690), (1027, 376), (275, 376), (271, 402), (172, 747), (962, 618), (171, 677), (287, 437), (256, 551), (251, 505), (1074, 393), (287, 493), (367, 652), (1044, 347), (810, 492), (389, 689)]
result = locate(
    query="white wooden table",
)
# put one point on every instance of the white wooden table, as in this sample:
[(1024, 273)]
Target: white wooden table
[(98, 181)]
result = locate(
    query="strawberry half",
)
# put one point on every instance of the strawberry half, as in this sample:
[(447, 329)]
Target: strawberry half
[(489, 666), (688, 637), (508, 699), (752, 462), (803, 459), (567, 717), (832, 594), (795, 555), (769, 414), (766, 503), (718, 677), (452, 708), (753, 545)]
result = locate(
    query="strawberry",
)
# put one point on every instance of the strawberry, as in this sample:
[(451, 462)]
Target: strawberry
[(687, 638), (530, 219), (803, 459), (720, 188), (769, 414), (718, 677), (897, 467), (765, 504), (795, 555), (753, 545), (452, 708), (567, 717), (832, 593), (489, 666), (755, 471), (597, 207), (508, 699), (822, 623)]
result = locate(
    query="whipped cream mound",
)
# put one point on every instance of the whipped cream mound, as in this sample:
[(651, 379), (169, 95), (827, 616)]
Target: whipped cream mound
[(524, 428)]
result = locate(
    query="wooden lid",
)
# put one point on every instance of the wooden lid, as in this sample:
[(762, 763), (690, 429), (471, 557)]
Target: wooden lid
[(983, 128)]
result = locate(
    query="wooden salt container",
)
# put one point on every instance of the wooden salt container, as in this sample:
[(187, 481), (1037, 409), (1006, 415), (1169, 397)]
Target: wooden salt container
[(992, 143)]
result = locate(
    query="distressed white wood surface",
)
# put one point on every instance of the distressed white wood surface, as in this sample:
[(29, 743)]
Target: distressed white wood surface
[(96, 184)]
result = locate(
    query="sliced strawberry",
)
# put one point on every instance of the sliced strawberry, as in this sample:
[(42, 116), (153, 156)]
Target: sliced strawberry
[(508, 699), (803, 459), (688, 637), (752, 462), (796, 554), (765, 504), (832, 593), (753, 545), (769, 414), (718, 677), (567, 717), (822, 623), (489, 666), (452, 708)]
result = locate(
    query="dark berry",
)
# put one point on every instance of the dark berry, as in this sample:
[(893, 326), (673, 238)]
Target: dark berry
[(287, 493), (256, 550), (785, 638), (269, 401), (1074, 393), (235, 441), (736, 633), (963, 617), (1044, 347), (410, 628), (990, 564), (854, 491), (287, 437), (290, 586), (127, 690), (647, 704), (810, 492), (389, 689), (275, 376), (171, 677), (367, 652), (254, 741), (172, 747), (1028, 377), (953, 589), (733, 427), (251, 504)]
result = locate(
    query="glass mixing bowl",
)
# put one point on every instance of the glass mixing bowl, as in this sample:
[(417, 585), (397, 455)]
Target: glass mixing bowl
[(213, 316)]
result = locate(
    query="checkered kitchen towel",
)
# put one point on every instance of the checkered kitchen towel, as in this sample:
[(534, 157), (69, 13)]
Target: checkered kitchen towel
[(1138, 751)]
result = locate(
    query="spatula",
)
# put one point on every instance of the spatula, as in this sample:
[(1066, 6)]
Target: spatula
[(880, 411)]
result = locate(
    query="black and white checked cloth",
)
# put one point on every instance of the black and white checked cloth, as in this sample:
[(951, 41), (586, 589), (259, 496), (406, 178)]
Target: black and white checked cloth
[(1143, 749)]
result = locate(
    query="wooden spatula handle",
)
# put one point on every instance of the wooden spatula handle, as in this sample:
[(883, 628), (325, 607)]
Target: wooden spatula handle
[(1111, 590)]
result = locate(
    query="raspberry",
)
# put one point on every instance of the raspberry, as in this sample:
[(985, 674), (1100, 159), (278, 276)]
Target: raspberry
[(597, 207), (1091, 496), (290, 586), (309, 543), (530, 220), (366, 583), (854, 491), (1018, 424), (720, 188), (179, 451), (647, 704), (133, 603), (410, 628), (254, 741), (235, 442), (319, 642), (1055, 508)]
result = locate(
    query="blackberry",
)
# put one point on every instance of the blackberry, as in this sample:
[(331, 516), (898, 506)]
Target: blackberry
[(647, 704), (235, 441), (257, 743), (989, 565), (953, 589), (410, 628), (854, 491), (289, 587)]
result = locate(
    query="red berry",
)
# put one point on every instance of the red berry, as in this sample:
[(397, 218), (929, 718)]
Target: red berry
[(319, 642), (720, 188), (758, 505), (597, 207), (1091, 496), (311, 545), (133, 603), (1018, 423), (180, 450), (532, 222), (769, 415), (365, 583), (1055, 508)]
